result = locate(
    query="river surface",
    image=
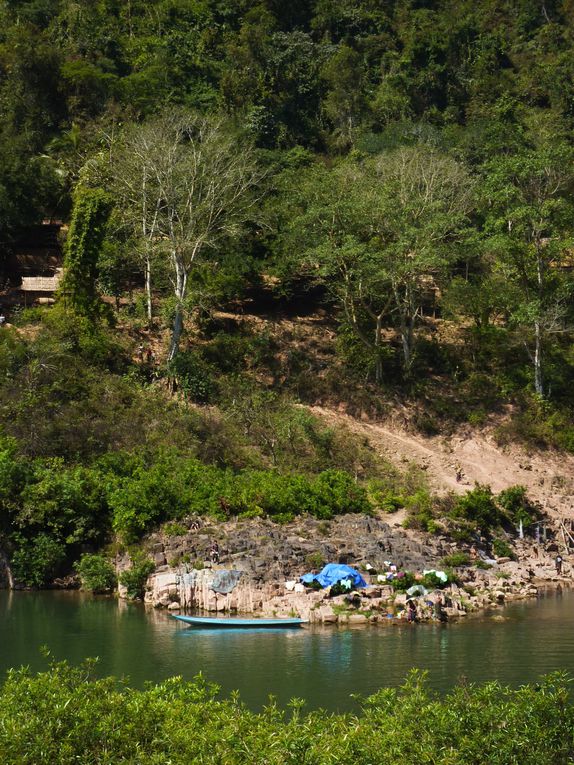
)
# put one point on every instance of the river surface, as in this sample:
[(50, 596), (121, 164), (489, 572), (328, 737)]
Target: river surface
[(324, 665)]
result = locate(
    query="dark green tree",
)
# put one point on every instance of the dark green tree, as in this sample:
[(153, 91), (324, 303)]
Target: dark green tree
[(83, 248), (529, 212)]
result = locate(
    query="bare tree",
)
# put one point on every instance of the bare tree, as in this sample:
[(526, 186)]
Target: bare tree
[(134, 161), (190, 182)]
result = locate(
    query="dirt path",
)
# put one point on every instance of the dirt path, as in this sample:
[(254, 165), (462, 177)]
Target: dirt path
[(548, 476)]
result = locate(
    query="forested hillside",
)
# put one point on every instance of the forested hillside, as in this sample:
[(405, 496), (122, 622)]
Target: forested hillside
[(402, 171)]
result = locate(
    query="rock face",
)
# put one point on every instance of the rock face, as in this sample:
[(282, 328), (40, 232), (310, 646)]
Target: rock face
[(270, 552), (272, 557), (269, 555)]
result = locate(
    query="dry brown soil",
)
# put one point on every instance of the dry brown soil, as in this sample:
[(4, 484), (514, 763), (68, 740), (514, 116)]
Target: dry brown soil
[(548, 476)]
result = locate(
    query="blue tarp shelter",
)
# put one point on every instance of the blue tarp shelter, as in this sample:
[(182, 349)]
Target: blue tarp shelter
[(335, 572)]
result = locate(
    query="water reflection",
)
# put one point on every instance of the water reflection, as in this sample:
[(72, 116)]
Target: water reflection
[(323, 665)]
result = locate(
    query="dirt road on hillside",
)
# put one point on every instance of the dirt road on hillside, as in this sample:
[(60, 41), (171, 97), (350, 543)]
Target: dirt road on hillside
[(548, 476)]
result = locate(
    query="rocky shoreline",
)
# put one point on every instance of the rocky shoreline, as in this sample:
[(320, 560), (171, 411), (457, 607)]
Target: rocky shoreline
[(272, 557)]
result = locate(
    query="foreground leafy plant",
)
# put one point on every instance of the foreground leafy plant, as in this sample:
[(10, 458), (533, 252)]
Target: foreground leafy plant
[(67, 716)]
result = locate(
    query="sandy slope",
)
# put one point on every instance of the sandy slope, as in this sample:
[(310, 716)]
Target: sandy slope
[(548, 476)]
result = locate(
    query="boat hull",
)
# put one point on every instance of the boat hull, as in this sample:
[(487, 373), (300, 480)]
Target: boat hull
[(235, 623)]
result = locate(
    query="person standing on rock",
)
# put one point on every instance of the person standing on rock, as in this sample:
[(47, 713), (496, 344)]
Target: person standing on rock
[(214, 552), (439, 612)]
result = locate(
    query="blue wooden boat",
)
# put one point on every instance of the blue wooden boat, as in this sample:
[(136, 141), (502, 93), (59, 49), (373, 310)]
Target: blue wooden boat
[(237, 623)]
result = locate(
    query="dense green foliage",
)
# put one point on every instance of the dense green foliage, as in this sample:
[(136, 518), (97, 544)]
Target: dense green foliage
[(56, 510), (414, 160), (96, 573), (83, 247), (477, 512), (404, 170), (135, 577), (89, 453), (66, 716)]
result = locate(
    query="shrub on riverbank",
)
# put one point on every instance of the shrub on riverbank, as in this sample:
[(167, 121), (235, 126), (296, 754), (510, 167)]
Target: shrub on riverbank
[(96, 573), (65, 716), (52, 511), (175, 488), (134, 578), (476, 512)]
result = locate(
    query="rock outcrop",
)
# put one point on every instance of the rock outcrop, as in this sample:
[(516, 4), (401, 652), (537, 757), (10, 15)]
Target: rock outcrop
[(271, 558)]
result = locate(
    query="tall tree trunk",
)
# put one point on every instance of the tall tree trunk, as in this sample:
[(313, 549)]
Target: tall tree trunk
[(407, 331), (538, 381), (406, 343), (378, 344), (147, 270), (180, 290)]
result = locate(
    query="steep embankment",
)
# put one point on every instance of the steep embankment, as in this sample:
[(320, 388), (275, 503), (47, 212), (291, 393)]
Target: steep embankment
[(548, 476), (304, 346)]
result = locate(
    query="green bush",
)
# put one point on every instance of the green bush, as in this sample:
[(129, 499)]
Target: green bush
[(463, 532), (402, 583), (432, 582), (195, 376), (455, 560), (389, 503), (144, 499), (69, 502), (96, 573), (502, 549), (37, 561), (174, 488), (479, 506), (339, 493), (518, 507), (174, 529), (134, 578), (315, 560), (67, 716), (420, 512)]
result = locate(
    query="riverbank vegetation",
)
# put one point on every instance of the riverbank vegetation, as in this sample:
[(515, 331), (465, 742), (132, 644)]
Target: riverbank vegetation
[(67, 716), (401, 176), (96, 449)]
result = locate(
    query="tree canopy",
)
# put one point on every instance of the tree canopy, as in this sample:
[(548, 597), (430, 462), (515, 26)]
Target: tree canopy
[(401, 171)]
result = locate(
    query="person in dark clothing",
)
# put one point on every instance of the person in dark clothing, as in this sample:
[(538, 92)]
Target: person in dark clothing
[(411, 611), (214, 552), (439, 612)]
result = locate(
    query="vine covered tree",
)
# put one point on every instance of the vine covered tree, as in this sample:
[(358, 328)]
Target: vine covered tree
[(83, 247)]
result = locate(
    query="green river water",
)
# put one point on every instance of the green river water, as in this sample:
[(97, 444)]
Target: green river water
[(322, 665)]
